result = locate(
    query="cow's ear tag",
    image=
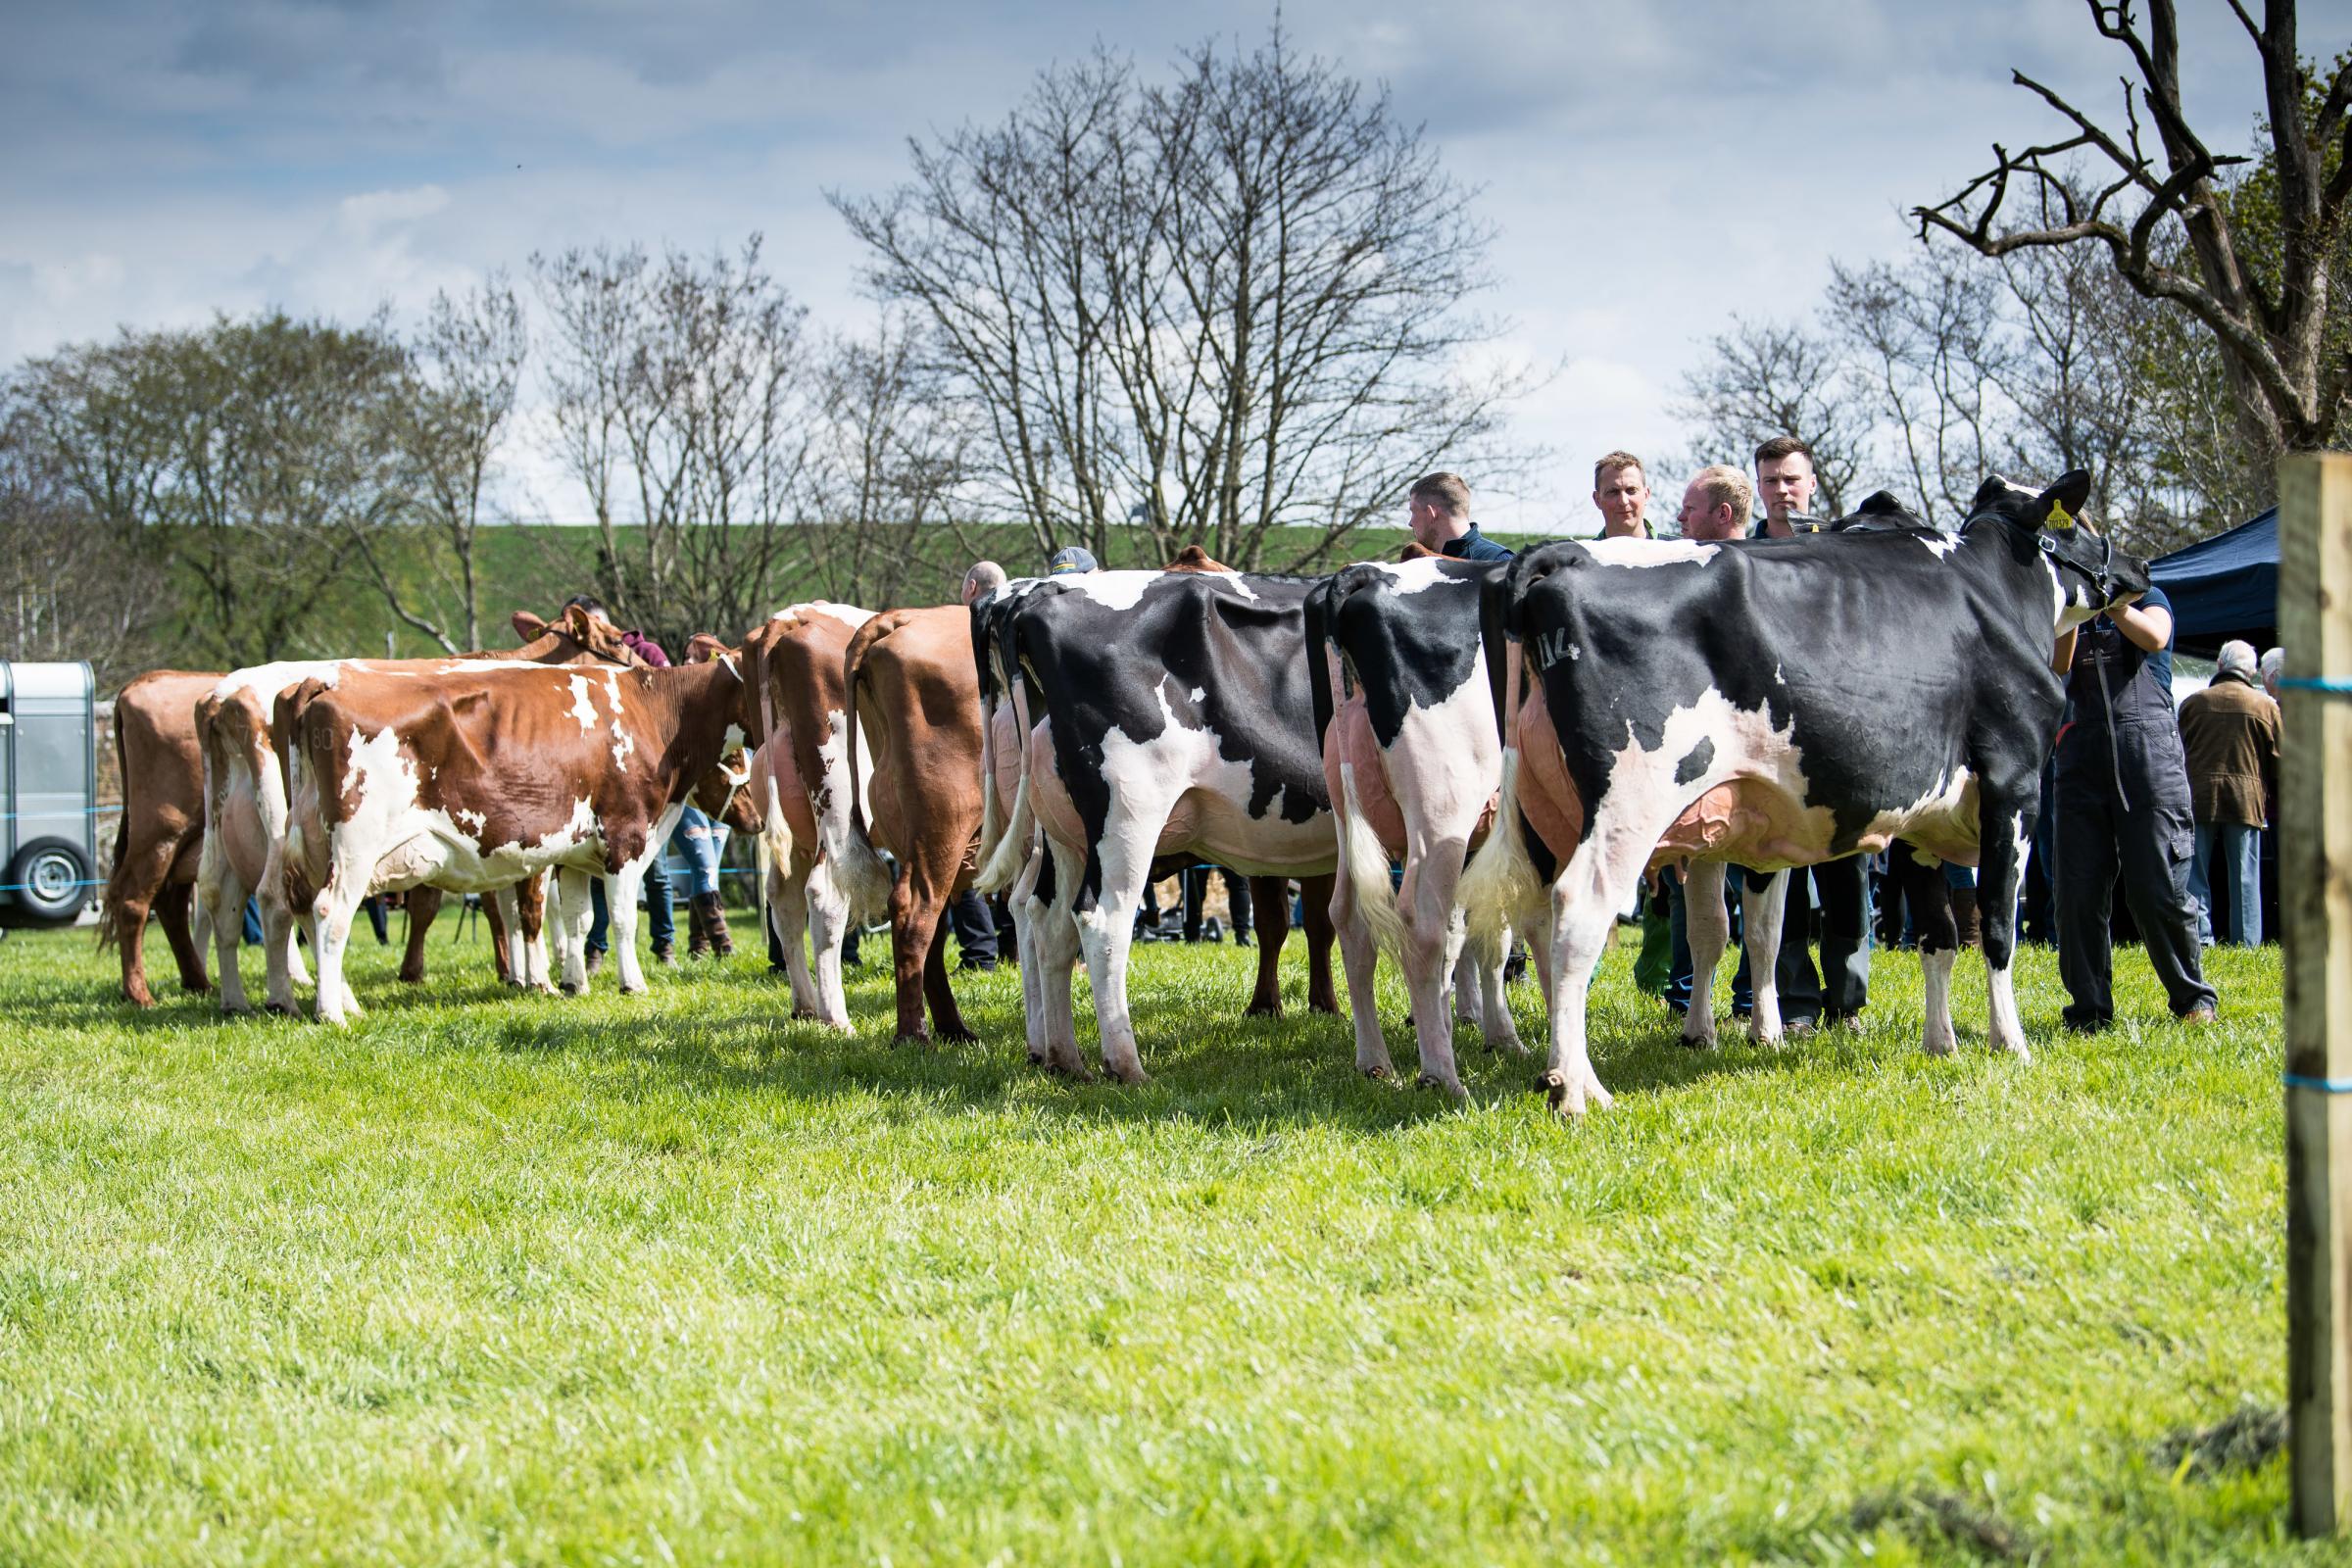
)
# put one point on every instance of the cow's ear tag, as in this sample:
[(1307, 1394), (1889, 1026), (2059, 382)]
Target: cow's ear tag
[(2059, 516)]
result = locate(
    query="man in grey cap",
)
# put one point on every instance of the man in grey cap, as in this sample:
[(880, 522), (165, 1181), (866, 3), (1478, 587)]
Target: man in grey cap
[(1071, 561)]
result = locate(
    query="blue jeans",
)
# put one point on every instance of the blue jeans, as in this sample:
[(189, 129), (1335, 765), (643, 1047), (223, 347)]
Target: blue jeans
[(699, 841), (2235, 851), (656, 909)]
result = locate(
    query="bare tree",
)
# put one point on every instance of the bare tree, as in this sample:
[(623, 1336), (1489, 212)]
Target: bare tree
[(465, 364), (994, 243), (682, 408), (1762, 379), (1926, 344), (1216, 307), (893, 456), (2163, 220)]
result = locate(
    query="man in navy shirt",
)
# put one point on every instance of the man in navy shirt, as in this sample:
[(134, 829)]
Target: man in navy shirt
[(1438, 510), (2121, 804)]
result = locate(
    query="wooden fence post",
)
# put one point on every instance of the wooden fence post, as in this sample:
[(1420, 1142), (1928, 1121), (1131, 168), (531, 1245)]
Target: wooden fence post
[(2315, 880)]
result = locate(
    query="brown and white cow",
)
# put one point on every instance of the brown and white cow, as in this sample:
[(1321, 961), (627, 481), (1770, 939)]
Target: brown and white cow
[(473, 777), (160, 837), (908, 676), (801, 782), (245, 798)]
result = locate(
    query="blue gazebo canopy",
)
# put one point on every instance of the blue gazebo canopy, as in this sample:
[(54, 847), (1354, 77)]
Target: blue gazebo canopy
[(2225, 587)]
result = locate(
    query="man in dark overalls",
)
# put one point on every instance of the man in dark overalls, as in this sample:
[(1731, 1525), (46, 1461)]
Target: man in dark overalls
[(2122, 803)]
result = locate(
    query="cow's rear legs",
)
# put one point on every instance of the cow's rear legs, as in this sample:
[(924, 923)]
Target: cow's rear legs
[(1106, 930), (1582, 922), (1709, 928), (1760, 913), (572, 914), (1055, 941), (2005, 827), (172, 908), (1929, 900), (1360, 954)]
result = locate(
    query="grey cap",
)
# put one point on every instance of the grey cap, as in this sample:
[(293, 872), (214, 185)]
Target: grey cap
[(1070, 558)]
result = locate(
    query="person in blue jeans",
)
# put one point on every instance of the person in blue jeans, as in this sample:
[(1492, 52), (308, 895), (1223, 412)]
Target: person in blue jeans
[(2229, 737), (699, 841)]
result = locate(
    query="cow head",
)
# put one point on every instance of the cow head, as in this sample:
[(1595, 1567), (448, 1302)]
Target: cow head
[(704, 649), (599, 638), (2092, 574)]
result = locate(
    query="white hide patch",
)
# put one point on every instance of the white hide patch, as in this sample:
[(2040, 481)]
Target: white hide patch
[(849, 615), (624, 743), (1746, 746), (1414, 577), (283, 675), (582, 708), (1953, 801), (1938, 545), (1650, 552), (1182, 767), (1113, 589), (407, 842)]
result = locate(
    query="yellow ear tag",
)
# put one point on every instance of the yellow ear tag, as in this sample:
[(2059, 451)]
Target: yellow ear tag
[(2059, 516)]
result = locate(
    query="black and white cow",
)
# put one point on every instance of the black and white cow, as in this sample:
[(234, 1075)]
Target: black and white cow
[(1151, 715), (1779, 703), (1412, 762)]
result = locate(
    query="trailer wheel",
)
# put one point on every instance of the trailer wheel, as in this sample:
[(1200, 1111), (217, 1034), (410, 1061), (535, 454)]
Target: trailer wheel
[(49, 882)]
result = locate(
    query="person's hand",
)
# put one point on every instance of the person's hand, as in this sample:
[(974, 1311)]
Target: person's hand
[(2126, 603)]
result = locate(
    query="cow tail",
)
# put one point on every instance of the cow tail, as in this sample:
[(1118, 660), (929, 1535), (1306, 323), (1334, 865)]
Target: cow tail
[(1500, 887), (110, 904), (992, 805), (1319, 607), (210, 852), (1003, 865), (1367, 867), (855, 866)]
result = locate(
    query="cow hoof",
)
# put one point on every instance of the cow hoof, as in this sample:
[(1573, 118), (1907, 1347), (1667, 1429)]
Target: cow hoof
[(1692, 1042), (960, 1037), (1134, 1077), (407, 979), (277, 1009), (570, 989), (139, 999), (1379, 1071), (919, 1038), (1323, 1004), (1936, 1044), (1257, 1010), (1451, 1085), (638, 990), (1570, 1094), (1506, 1048)]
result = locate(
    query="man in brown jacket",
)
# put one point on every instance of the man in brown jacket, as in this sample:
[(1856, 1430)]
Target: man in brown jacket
[(2229, 734)]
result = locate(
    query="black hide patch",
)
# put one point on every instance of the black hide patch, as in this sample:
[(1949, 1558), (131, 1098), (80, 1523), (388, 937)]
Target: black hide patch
[(1239, 641), (1701, 757), (1890, 666)]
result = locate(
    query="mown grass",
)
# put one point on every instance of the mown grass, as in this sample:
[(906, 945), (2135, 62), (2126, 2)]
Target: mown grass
[(674, 1278)]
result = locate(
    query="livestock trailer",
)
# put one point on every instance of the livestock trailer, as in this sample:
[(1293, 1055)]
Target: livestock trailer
[(49, 765)]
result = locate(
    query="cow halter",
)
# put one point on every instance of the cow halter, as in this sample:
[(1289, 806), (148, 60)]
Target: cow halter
[(2102, 581)]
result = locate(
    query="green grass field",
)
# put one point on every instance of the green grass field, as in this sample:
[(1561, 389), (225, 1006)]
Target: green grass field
[(671, 1278)]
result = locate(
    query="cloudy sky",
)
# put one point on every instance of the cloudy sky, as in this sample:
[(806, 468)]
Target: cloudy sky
[(1652, 167)]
